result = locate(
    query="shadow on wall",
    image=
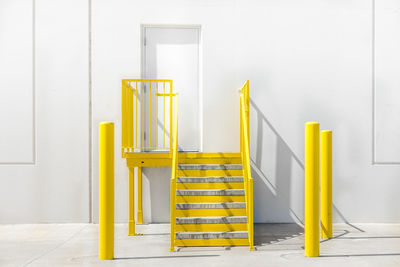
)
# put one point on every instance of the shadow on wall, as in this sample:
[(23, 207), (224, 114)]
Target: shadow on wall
[(156, 182), (278, 179), (277, 173)]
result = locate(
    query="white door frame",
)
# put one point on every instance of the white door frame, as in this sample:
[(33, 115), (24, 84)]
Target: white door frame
[(143, 28)]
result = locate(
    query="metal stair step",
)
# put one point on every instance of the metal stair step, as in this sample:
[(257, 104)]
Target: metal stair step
[(211, 220), (211, 227), (211, 192), (211, 235), (216, 179), (210, 166), (226, 205)]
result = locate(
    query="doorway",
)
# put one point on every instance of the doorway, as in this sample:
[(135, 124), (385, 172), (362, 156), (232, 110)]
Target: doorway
[(173, 52)]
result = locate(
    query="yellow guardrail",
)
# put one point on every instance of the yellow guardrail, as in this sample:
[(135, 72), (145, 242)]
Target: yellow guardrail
[(174, 166), (147, 110), (245, 153)]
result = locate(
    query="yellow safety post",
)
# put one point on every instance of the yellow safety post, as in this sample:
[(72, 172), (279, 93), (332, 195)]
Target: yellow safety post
[(131, 185), (311, 169), (106, 191), (326, 184), (140, 196)]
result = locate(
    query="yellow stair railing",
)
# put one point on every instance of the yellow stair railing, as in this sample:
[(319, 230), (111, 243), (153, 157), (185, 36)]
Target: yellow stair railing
[(175, 156), (245, 154), (146, 113)]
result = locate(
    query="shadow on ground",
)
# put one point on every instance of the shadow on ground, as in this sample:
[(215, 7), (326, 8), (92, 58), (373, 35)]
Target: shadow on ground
[(273, 232), (165, 257)]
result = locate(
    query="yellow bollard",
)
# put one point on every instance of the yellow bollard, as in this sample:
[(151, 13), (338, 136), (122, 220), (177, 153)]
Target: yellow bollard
[(106, 191), (140, 197), (311, 172), (326, 184)]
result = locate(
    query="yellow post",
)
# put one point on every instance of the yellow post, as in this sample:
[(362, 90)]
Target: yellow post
[(241, 124), (131, 185), (251, 225), (106, 191), (172, 210), (311, 169), (170, 117), (174, 166), (326, 184), (131, 223), (140, 197)]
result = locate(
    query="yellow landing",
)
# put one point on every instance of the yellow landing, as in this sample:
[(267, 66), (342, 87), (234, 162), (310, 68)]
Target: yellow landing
[(163, 159)]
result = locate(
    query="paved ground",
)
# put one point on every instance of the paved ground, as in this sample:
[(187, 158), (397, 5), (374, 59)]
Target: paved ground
[(277, 245)]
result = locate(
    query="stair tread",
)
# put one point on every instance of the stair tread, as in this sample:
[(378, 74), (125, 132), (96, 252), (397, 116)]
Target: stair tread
[(216, 232), (211, 220), (214, 179), (223, 205), (210, 167), (212, 235), (220, 217), (210, 192)]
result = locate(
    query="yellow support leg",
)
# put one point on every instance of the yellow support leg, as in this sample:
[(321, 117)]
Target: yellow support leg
[(173, 218), (106, 191), (139, 215), (326, 184), (311, 209), (251, 225), (131, 223)]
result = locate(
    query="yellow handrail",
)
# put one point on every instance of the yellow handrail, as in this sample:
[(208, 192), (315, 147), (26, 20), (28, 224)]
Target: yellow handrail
[(174, 166), (138, 123), (245, 154)]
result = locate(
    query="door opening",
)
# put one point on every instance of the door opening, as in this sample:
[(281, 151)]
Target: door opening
[(173, 52)]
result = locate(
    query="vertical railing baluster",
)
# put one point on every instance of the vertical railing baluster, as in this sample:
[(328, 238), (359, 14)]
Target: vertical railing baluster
[(143, 83), (156, 115), (170, 116), (136, 93), (130, 116), (164, 114), (123, 107), (150, 118)]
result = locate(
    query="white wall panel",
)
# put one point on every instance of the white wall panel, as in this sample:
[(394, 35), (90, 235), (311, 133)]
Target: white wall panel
[(56, 187), (387, 81), (17, 134)]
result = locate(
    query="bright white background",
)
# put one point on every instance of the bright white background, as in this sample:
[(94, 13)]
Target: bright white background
[(306, 60)]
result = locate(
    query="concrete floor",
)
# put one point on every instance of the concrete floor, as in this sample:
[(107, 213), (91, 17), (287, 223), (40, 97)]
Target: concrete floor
[(276, 245)]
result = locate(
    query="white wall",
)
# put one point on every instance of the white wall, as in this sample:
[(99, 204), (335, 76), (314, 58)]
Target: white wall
[(306, 60)]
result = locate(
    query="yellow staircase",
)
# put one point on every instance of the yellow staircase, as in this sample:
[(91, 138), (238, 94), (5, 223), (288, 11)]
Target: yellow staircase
[(211, 193)]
